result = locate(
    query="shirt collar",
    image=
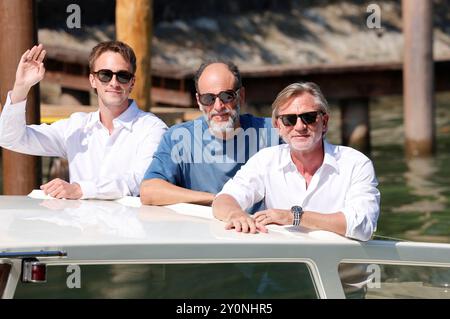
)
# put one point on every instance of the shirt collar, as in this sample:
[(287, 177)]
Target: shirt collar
[(329, 157), (94, 119), (285, 156), (125, 119)]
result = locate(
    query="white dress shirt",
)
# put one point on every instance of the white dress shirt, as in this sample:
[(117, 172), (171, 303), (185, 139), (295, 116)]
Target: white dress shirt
[(345, 182), (105, 166)]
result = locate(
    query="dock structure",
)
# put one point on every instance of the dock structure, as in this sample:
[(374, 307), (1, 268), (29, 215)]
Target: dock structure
[(21, 173), (419, 109), (134, 24), (350, 85), (173, 92)]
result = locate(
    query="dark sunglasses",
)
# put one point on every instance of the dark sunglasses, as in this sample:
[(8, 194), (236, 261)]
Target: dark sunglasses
[(208, 99), (307, 118), (105, 76)]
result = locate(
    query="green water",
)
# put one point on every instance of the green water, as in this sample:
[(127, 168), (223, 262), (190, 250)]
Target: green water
[(415, 193)]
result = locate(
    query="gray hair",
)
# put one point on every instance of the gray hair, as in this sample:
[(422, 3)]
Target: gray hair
[(231, 66), (295, 89)]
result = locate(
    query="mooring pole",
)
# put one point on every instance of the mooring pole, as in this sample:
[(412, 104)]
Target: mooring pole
[(418, 78), (21, 173), (134, 21), (355, 119)]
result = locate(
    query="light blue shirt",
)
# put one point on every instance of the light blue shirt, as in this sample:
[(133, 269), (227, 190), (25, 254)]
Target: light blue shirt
[(191, 157)]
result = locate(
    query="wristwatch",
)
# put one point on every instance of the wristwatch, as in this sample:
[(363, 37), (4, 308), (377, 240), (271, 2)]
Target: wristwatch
[(297, 211)]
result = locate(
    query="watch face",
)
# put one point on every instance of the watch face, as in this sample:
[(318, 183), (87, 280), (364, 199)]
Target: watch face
[(297, 209)]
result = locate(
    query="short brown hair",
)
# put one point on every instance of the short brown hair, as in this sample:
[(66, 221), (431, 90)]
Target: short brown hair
[(114, 46)]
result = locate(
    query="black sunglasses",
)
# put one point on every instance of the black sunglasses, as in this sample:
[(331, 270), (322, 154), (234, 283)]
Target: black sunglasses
[(105, 76), (307, 118), (227, 96)]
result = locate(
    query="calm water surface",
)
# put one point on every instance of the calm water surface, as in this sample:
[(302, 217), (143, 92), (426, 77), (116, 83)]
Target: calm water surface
[(415, 193)]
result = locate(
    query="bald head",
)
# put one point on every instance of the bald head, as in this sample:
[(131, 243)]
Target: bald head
[(215, 78), (218, 69)]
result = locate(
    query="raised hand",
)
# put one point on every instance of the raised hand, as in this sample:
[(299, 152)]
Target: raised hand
[(29, 72)]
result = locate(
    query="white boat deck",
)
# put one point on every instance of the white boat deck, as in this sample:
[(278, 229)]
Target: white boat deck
[(112, 232), (27, 224)]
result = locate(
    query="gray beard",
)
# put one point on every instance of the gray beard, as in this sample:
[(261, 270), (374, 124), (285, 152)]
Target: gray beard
[(228, 126)]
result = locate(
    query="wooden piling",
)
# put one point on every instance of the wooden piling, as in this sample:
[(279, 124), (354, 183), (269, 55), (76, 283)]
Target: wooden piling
[(355, 128), (21, 173), (134, 27), (418, 78)]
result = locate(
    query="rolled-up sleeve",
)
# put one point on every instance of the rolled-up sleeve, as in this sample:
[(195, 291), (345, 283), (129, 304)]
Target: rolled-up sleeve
[(247, 187), (362, 203)]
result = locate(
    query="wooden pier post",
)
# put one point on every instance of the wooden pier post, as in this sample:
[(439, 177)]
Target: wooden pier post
[(418, 78), (21, 173), (134, 21), (355, 123)]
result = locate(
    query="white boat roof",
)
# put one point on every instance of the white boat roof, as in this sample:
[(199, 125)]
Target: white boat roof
[(116, 232), (29, 223), (124, 230)]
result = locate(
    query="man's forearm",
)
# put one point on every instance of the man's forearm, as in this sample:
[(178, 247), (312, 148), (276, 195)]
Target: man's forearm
[(331, 222), (225, 207), (160, 192), (19, 93)]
